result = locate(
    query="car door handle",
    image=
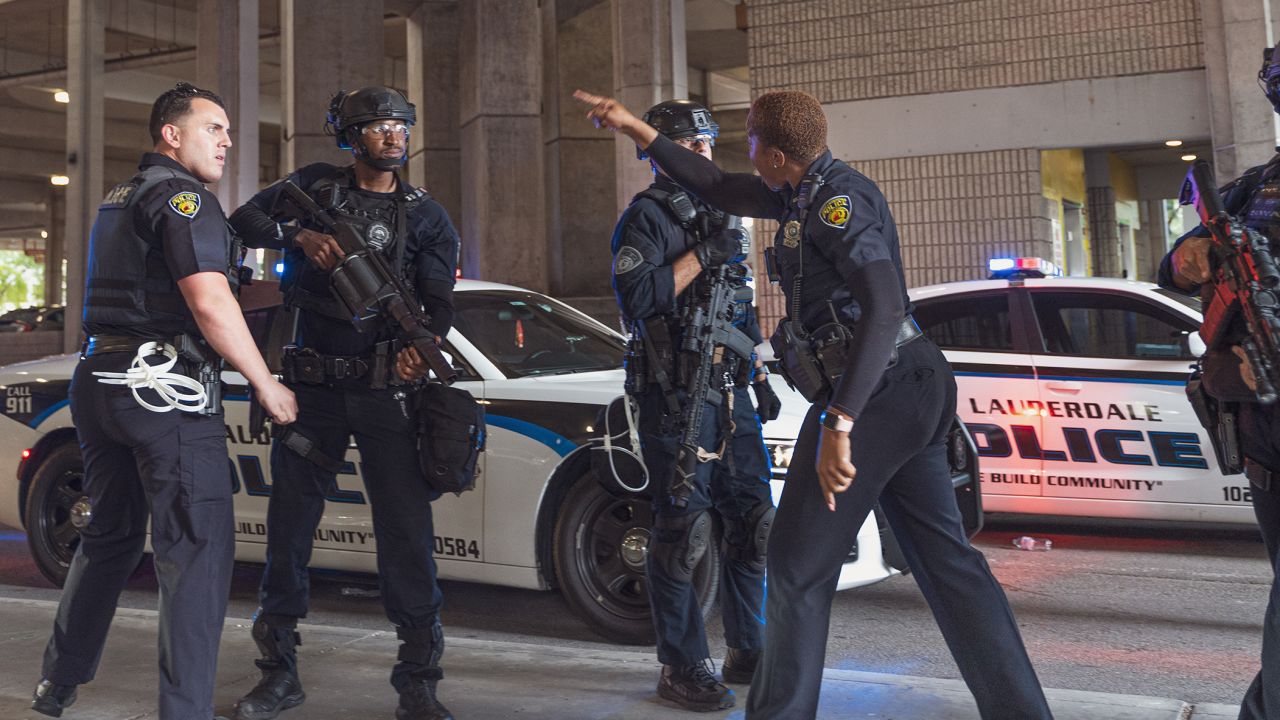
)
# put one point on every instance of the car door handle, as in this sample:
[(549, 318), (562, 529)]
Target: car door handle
[(1065, 387)]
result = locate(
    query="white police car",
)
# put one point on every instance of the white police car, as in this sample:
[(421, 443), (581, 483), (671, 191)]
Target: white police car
[(537, 518), (1074, 392)]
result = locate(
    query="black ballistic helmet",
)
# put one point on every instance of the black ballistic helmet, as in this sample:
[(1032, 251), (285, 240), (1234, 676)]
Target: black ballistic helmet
[(680, 119), (1269, 75), (350, 111)]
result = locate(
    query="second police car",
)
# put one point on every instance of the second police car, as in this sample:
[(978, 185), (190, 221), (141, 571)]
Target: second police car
[(1074, 392), (538, 517)]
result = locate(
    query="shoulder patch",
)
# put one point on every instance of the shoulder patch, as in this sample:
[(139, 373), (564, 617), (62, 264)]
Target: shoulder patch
[(185, 203), (628, 259), (835, 212)]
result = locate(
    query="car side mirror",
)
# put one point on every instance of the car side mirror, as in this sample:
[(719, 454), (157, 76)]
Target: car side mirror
[(1195, 344)]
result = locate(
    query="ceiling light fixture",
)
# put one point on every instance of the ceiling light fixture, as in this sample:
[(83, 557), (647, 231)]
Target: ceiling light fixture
[(44, 234), (59, 180), (61, 96), (1173, 143), (1189, 157)]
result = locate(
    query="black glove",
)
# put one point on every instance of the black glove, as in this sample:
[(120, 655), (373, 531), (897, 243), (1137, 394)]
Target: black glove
[(767, 403), (722, 247)]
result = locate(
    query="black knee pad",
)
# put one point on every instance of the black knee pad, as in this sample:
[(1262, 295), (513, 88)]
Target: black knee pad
[(747, 540), (680, 542)]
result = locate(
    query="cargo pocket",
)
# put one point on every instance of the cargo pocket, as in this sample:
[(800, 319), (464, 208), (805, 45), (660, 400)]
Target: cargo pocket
[(205, 469)]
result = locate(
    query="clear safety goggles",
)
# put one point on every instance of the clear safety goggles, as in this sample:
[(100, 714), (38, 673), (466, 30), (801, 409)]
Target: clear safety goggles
[(694, 141), (386, 129)]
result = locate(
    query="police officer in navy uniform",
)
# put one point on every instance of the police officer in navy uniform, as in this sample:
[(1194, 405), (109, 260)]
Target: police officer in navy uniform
[(162, 268), (349, 381), (1254, 198), (663, 244), (878, 428)]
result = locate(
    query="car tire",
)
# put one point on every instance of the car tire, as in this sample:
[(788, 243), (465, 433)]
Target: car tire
[(600, 542), (56, 486)]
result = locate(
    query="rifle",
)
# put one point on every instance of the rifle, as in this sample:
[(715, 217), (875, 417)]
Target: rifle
[(1243, 308), (366, 285), (709, 331)]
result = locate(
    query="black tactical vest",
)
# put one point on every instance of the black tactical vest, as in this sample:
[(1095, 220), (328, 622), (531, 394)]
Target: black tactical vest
[(381, 221), (128, 283)]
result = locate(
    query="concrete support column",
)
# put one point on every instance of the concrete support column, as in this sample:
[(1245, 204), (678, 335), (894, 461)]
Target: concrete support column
[(579, 159), (85, 38), (329, 45), (227, 63), (1242, 122), (55, 248), (435, 155), (504, 232), (649, 66), (1104, 234), (1153, 239)]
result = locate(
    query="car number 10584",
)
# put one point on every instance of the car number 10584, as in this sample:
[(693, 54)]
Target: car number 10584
[(457, 547)]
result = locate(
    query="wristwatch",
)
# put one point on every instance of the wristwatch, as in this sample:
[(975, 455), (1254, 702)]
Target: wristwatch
[(836, 422)]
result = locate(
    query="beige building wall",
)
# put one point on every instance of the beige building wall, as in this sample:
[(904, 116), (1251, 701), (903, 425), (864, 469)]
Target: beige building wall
[(878, 59)]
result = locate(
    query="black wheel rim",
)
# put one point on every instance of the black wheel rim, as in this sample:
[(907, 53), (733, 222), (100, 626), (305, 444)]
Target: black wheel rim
[(612, 582), (54, 521)]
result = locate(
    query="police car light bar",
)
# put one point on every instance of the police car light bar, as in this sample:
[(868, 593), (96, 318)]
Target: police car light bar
[(1021, 267)]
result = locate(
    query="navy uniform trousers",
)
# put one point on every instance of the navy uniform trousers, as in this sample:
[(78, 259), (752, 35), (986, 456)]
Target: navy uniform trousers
[(173, 468), (1261, 436), (398, 496), (899, 450), (733, 492)]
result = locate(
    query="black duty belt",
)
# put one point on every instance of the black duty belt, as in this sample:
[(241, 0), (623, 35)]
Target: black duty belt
[(103, 344), (1259, 475), (305, 365)]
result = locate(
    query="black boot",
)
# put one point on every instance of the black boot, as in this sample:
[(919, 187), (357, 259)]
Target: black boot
[(739, 666), (420, 652), (50, 699), (693, 687), (279, 689)]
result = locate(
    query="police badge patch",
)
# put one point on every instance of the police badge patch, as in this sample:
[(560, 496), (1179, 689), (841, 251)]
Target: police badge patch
[(628, 259), (791, 234), (378, 234), (835, 212), (186, 204)]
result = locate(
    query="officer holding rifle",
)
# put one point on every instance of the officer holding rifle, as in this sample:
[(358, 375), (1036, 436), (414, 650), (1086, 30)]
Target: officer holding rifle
[(353, 377)]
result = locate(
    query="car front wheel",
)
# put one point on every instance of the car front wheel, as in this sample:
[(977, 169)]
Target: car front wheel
[(56, 487), (601, 542)]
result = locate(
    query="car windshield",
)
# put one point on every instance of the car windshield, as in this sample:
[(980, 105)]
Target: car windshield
[(1191, 301), (526, 334)]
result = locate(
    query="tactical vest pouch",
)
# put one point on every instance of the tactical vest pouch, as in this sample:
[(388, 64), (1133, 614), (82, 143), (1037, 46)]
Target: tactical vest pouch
[(451, 436)]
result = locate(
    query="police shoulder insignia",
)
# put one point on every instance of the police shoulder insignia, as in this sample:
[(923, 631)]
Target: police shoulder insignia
[(791, 234), (628, 259), (835, 212), (186, 204)]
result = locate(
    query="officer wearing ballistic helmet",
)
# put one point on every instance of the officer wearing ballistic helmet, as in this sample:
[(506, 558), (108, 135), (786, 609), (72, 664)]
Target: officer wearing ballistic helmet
[(162, 272), (663, 246), (884, 401), (1253, 198), (354, 381)]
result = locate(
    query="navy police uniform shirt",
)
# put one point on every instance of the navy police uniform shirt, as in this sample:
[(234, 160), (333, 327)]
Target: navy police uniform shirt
[(429, 258), (185, 221), (646, 243), (846, 248)]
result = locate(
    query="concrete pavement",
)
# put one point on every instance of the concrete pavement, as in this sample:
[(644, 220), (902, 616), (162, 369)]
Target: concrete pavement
[(345, 673)]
